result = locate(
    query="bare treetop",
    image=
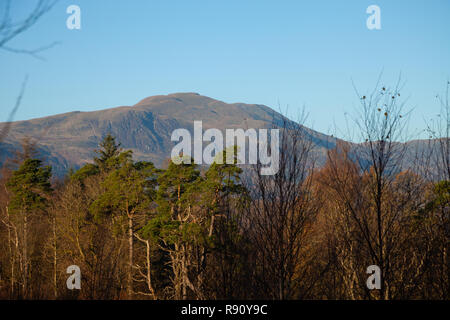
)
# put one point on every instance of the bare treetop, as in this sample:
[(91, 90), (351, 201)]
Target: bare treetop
[(10, 28)]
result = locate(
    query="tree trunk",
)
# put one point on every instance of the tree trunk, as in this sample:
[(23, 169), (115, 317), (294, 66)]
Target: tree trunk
[(25, 256), (149, 271), (175, 256), (130, 257), (184, 272), (11, 256), (55, 282)]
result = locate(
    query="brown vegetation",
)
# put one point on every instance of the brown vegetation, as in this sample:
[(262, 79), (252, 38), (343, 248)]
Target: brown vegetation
[(138, 232)]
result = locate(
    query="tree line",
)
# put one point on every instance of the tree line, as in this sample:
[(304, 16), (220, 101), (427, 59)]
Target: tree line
[(226, 232)]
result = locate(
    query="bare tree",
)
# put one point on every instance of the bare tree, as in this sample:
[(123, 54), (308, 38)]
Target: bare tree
[(280, 215), (379, 158), (10, 29), (4, 131), (439, 131)]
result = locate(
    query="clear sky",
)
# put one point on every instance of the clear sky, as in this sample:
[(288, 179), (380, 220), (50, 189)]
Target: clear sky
[(296, 53)]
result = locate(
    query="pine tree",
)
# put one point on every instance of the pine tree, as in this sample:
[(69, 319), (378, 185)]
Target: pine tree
[(129, 190), (30, 188), (108, 153), (224, 196), (172, 225), (108, 159)]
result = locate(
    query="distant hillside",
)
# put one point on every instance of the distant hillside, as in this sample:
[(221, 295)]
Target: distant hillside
[(68, 140)]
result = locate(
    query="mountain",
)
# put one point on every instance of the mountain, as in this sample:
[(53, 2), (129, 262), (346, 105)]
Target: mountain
[(69, 140)]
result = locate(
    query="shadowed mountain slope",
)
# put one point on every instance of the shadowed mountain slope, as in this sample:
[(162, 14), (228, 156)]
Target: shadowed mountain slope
[(69, 140)]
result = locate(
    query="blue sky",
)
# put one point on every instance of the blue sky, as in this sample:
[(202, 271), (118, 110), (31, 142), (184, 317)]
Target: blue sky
[(287, 53)]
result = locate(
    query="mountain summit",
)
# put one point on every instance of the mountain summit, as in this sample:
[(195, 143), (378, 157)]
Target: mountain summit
[(69, 139)]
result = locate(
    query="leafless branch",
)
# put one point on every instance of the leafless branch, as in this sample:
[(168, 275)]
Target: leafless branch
[(4, 131), (10, 29)]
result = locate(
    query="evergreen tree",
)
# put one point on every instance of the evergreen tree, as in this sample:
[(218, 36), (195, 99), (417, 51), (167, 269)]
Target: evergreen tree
[(129, 190), (108, 158), (224, 197), (108, 153), (173, 224), (30, 188)]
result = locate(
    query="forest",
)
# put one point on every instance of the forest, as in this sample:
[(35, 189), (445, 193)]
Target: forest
[(226, 231)]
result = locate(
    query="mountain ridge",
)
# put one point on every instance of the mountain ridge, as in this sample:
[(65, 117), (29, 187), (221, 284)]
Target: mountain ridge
[(68, 140)]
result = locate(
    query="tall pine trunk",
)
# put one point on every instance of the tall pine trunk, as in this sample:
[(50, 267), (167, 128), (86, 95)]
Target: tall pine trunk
[(25, 255), (130, 257), (55, 280)]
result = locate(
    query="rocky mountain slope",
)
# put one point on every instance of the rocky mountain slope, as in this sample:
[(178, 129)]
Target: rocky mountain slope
[(68, 140)]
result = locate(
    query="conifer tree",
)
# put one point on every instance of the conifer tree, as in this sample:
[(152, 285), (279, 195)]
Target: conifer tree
[(173, 226), (129, 190), (30, 188)]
